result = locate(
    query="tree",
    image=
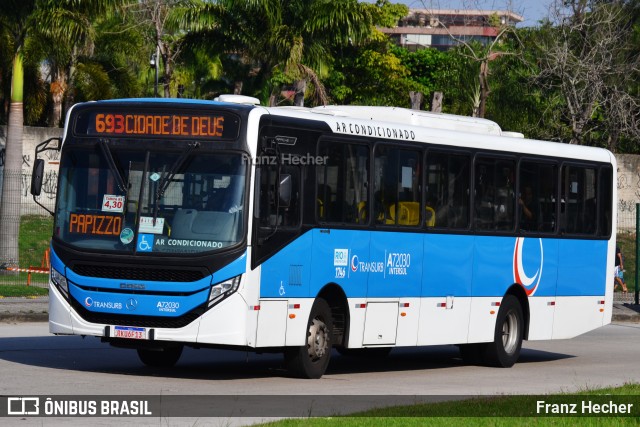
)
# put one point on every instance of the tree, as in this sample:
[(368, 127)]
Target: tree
[(65, 29), (482, 55), (371, 75), (516, 103), (118, 66), (290, 40), (373, 72), (14, 22), (588, 61), (19, 21), (155, 16)]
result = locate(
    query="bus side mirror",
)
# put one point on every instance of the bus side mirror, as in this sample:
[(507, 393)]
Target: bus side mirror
[(284, 192), (36, 177)]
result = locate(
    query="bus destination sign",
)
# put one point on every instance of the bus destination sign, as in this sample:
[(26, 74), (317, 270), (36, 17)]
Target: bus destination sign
[(142, 124)]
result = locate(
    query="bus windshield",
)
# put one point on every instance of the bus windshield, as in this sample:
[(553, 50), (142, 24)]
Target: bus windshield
[(145, 201)]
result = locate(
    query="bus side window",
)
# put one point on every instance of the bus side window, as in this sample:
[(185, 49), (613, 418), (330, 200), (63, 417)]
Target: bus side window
[(537, 197), (342, 183), (291, 212), (447, 190), (605, 198), (579, 196), (273, 211), (397, 186), (495, 194)]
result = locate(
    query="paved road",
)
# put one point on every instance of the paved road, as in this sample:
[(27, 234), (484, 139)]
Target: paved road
[(34, 362)]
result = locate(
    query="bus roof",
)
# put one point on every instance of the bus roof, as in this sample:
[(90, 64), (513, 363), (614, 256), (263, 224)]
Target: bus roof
[(440, 128), (414, 117), (445, 129)]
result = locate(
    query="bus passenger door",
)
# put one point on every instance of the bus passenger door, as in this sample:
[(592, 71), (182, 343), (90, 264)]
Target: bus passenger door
[(446, 289), (395, 264), (340, 249)]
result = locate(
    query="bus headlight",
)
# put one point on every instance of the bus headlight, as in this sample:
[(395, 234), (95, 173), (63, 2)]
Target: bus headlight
[(222, 290), (60, 281)]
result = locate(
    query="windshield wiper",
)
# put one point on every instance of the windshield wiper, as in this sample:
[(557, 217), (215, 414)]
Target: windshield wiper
[(104, 147), (166, 177)]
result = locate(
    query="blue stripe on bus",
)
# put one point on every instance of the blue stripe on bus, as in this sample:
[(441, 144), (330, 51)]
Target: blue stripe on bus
[(391, 264), (136, 304), (145, 305)]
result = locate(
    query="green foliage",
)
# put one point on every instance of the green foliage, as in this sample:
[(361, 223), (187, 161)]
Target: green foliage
[(20, 290), (264, 46), (35, 101), (371, 76), (387, 14), (92, 82), (481, 411), (35, 236), (121, 51), (518, 110), (449, 72)]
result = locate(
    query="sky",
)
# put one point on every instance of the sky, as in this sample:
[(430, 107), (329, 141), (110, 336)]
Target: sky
[(531, 10)]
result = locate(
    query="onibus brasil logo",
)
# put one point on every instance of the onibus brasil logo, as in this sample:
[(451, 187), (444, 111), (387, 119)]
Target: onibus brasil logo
[(529, 283)]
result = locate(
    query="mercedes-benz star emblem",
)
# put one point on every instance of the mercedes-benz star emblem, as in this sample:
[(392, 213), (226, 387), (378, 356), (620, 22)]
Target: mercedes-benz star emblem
[(132, 304)]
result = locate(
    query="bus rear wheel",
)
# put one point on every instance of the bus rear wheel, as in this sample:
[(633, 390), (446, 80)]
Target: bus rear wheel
[(160, 358), (504, 351), (311, 360)]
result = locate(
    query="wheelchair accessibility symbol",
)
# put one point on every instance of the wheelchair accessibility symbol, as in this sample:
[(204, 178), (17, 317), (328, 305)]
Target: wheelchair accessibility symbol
[(145, 243), (281, 290)]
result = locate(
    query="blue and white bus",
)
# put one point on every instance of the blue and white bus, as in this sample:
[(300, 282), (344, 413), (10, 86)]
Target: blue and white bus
[(299, 230)]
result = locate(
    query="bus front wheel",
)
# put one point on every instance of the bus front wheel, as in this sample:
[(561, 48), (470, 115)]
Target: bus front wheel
[(311, 360), (161, 358), (505, 349)]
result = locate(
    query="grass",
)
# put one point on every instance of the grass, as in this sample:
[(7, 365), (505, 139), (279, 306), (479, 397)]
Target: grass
[(495, 411), (35, 236), (22, 291)]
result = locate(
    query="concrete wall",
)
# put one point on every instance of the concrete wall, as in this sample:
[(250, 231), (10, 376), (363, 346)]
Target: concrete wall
[(628, 176), (32, 136), (628, 189)]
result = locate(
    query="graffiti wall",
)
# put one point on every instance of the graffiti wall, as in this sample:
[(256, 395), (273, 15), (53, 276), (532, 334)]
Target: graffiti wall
[(31, 137), (628, 189)]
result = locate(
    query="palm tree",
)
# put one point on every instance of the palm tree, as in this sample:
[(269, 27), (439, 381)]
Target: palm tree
[(154, 16), (14, 18), (20, 20), (291, 38), (66, 28)]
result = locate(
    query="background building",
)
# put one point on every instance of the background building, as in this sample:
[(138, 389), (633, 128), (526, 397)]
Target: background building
[(423, 28)]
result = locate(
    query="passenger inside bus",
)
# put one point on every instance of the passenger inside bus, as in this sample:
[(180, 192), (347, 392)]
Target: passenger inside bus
[(529, 211)]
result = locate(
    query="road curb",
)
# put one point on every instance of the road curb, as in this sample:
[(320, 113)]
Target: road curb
[(625, 318), (23, 317)]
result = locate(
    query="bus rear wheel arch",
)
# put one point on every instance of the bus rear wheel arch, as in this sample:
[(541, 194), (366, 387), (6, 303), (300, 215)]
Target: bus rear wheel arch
[(311, 360), (504, 351), (509, 332)]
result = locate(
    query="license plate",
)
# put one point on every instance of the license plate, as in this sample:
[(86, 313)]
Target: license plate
[(130, 332)]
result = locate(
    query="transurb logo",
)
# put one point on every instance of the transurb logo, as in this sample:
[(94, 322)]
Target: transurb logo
[(529, 283)]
